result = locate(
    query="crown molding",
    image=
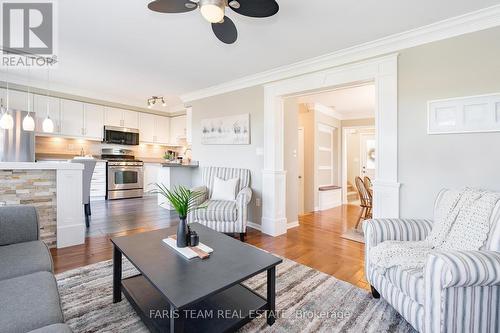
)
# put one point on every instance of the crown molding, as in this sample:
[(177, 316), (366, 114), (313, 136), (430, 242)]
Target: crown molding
[(471, 22)]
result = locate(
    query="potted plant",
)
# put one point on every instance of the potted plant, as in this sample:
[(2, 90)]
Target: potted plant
[(183, 200)]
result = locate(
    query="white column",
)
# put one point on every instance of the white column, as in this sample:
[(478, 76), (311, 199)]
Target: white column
[(274, 220), (386, 186), (70, 216)]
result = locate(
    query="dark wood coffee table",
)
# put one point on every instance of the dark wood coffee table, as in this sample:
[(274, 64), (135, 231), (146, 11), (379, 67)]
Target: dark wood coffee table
[(174, 294)]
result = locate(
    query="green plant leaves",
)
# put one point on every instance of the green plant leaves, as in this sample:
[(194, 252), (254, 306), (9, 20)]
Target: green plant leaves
[(180, 197)]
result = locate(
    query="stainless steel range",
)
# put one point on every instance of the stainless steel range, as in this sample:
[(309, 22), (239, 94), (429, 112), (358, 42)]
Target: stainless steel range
[(125, 174)]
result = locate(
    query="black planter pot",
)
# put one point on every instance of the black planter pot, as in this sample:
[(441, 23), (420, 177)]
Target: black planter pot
[(182, 232)]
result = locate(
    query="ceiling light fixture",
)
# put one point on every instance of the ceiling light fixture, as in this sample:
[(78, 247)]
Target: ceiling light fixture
[(48, 124), (213, 10), (28, 121), (6, 120), (152, 101)]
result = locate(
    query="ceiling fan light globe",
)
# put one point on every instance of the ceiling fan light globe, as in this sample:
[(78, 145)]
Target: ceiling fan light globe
[(212, 10)]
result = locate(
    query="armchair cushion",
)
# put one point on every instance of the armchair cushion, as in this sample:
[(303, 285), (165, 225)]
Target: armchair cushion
[(409, 281), (18, 224), (24, 258), (203, 195), (224, 189), (217, 210)]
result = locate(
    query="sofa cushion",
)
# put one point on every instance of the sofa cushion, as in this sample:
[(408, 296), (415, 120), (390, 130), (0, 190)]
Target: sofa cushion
[(56, 328), (217, 210), (409, 281), (29, 302), (24, 258)]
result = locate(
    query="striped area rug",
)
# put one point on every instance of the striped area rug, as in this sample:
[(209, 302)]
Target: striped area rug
[(307, 301)]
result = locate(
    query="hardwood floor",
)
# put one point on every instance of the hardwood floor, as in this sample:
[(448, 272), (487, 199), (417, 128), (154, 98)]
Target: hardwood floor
[(316, 242)]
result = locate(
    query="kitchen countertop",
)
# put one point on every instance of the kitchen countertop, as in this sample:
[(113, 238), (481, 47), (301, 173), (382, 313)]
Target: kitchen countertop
[(177, 165), (39, 166), (58, 157)]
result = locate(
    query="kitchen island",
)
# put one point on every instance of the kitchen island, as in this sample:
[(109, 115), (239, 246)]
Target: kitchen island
[(172, 175), (55, 189)]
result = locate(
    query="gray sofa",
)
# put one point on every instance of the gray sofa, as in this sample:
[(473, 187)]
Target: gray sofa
[(29, 299)]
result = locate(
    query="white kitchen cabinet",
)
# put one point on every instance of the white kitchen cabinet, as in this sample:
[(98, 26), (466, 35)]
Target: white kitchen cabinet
[(154, 129), (121, 118), (72, 118), (113, 117), (177, 129), (54, 111), (162, 129), (151, 171), (93, 121), (189, 124), (18, 100), (146, 127), (98, 182), (130, 119)]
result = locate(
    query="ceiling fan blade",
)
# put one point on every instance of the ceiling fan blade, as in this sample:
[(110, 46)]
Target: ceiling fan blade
[(172, 6), (226, 31), (256, 8)]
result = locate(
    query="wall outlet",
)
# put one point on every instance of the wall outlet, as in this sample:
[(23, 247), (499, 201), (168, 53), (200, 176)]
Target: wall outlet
[(257, 202)]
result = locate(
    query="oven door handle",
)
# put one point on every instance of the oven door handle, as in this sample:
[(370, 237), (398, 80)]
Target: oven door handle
[(126, 168)]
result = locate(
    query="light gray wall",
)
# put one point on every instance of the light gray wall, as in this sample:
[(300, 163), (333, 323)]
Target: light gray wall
[(250, 101), (462, 66)]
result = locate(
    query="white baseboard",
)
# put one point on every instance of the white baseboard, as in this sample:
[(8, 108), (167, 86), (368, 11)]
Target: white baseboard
[(293, 224), (254, 225), (70, 235)]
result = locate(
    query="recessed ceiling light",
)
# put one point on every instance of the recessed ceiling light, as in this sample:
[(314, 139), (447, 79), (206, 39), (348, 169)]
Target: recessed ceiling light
[(234, 4), (190, 5)]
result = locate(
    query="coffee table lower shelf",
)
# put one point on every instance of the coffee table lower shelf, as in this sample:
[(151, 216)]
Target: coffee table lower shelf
[(238, 302)]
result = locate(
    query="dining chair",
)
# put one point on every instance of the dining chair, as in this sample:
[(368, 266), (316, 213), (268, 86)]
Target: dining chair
[(365, 197)]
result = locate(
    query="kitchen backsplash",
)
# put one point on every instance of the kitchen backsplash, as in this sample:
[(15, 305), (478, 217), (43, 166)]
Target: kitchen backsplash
[(63, 146)]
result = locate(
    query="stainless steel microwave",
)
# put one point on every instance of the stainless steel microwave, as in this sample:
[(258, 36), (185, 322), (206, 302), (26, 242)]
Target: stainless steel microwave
[(121, 135)]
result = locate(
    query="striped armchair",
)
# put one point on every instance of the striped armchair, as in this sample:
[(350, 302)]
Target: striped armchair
[(458, 291), (223, 216)]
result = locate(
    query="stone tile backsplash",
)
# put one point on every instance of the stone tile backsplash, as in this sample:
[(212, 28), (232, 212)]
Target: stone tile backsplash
[(36, 188)]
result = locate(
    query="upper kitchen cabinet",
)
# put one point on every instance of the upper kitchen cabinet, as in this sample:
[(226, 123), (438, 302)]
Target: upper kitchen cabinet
[(18, 100), (177, 129), (43, 106), (154, 129), (189, 121), (162, 129), (121, 118), (93, 121), (146, 127), (72, 118)]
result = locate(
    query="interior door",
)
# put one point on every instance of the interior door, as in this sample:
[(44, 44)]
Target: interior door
[(300, 159), (368, 155)]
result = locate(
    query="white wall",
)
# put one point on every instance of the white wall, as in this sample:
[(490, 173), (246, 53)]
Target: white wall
[(238, 156), (462, 66)]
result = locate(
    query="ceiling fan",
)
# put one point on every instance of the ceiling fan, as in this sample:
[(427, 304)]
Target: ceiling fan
[(214, 12)]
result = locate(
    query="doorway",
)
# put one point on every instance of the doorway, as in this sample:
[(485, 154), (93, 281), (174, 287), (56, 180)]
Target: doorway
[(300, 160), (382, 71), (358, 159)]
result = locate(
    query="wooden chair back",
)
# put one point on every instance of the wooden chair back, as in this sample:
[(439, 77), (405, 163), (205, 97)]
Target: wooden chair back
[(364, 194)]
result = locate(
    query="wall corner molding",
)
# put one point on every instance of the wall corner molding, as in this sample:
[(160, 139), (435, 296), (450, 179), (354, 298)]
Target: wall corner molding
[(459, 25)]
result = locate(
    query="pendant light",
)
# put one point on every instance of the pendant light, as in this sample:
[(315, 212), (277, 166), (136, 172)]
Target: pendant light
[(28, 121), (48, 124), (6, 120)]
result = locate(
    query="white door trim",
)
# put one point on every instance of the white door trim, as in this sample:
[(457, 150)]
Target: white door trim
[(383, 72), (345, 130)]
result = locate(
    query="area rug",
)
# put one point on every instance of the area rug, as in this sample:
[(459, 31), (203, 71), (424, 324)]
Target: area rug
[(354, 235), (307, 301)]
